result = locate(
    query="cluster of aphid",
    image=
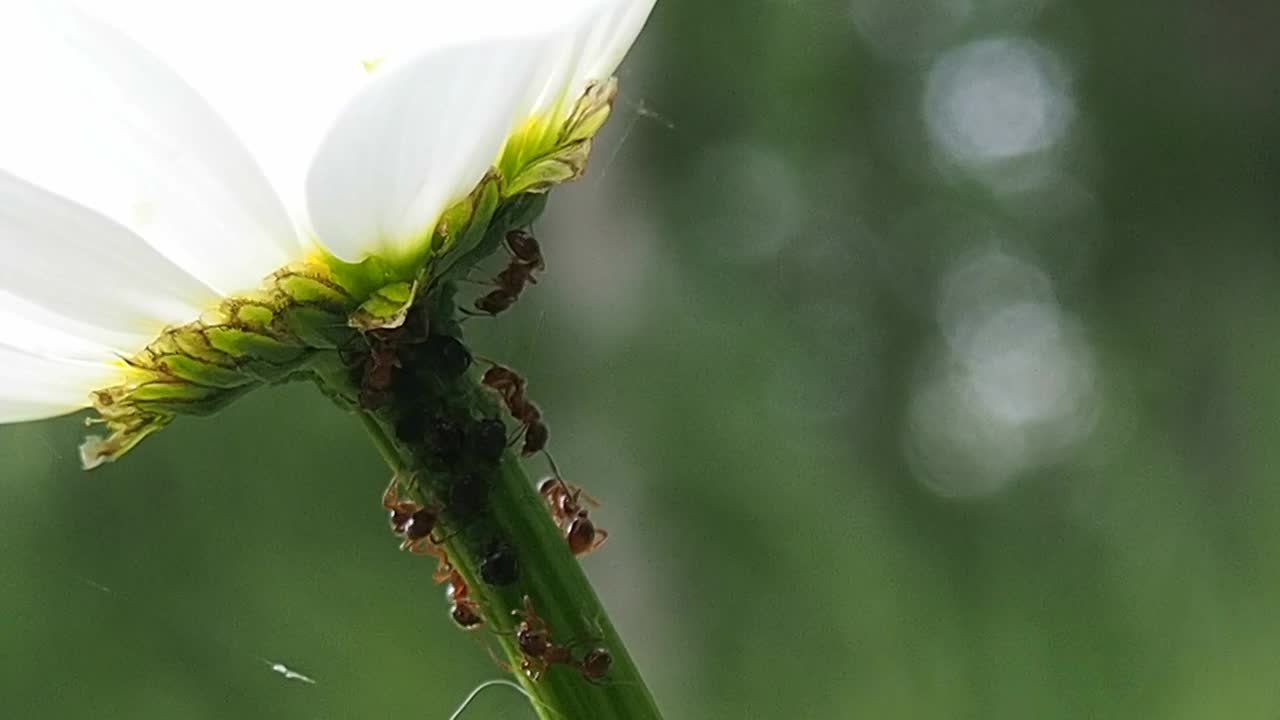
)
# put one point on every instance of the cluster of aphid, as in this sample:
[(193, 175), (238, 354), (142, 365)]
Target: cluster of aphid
[(411, 376)]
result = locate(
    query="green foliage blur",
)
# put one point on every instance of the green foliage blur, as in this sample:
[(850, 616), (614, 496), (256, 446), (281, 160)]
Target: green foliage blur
[(922, 354)]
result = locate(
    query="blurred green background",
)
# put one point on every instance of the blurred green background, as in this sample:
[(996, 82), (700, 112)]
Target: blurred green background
[(922, 353)]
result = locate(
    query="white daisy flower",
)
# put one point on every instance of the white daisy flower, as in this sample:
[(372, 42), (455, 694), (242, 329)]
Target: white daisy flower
[(179, 230)]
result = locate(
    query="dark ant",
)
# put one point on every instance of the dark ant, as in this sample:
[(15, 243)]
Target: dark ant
[(488, 439), (510, 387), (468, 495), (411, 521), (525, 248), (499, 567), (570, 516), (526, 259), (539, 652), (445, 439), (447, 355)]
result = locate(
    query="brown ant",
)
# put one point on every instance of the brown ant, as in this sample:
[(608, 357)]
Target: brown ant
[(539, 652), (595, 664), (510, 387), (415, 523), (411, 521), (464, 611), (377, 370), (524, 248), (570, 516), (526, 259), (378, 365)]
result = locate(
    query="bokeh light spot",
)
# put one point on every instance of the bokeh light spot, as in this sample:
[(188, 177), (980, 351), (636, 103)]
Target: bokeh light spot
[(1013, 387), (996, 99)]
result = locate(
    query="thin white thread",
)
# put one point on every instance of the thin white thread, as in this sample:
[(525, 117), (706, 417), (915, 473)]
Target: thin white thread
[(493, 683)]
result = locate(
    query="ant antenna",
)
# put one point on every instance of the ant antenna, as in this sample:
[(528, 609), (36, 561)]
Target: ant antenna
[(555, 470)]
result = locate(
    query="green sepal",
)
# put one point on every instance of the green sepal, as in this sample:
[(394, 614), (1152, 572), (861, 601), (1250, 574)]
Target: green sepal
[(522, 211), (125, 435), (162, 393), (254, 315), (311, 291), (245, 344), (171, 401), (317, 328), (202, 373), (590, 112), (461, 240), (545, 153), (516, 212), (386, 309), (190, 340), (563, 165), (455, 220)]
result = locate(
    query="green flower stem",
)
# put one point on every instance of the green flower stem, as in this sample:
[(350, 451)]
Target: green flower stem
[(555, 583)]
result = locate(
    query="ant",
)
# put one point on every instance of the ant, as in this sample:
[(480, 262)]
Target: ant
[(411, 521), (415, 523), (377, 370), (525, 249), (570, 516), (510, 387), (464, 611), (595, 664), (533, 637), (526, 259)]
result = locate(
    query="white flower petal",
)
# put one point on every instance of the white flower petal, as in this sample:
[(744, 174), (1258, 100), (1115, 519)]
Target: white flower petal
[(418, 137), (105, 281), (606, 31), (91, 116), (33, 329), (303, 60), (277, 70), (615, 31), (422, 133), (34, 387)]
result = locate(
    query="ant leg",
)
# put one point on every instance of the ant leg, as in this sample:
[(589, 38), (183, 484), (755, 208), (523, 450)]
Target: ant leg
[(515, 436), (391, 495), (444, 570), (499, 661), (446, 538), (601, 536), (587, 496), (572, 644)]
